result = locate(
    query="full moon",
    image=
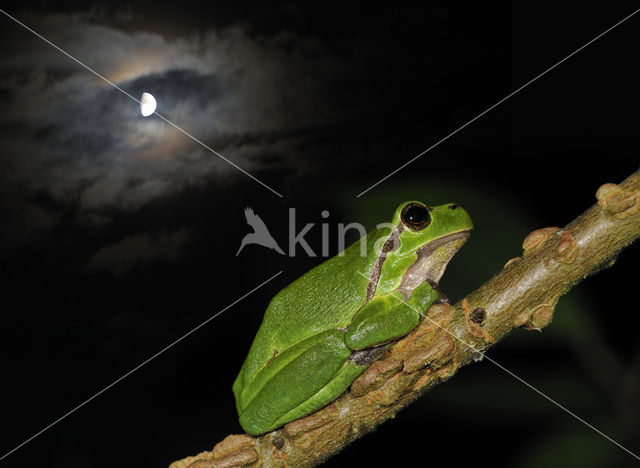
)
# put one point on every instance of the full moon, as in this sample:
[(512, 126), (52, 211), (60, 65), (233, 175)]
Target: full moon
[(147, 104)]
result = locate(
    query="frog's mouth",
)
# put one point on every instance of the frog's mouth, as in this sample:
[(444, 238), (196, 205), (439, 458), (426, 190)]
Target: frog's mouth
[(432, 261)]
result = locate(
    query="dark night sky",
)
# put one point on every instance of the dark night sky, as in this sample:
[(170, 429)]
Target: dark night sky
[(119, 233)]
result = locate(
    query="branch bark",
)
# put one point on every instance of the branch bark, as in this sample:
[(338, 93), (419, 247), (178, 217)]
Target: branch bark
[(524, 293)]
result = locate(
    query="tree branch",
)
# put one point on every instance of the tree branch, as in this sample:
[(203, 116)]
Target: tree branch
[(524, 293)]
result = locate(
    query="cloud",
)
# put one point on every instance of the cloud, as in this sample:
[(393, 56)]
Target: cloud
[(67, 132), (72, 139), (137, 251)]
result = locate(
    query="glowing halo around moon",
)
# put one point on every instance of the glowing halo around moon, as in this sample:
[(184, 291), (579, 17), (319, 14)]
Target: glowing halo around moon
[(147, 104)]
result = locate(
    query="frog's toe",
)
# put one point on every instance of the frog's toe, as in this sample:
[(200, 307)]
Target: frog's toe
[(443, 299), (365, 357)]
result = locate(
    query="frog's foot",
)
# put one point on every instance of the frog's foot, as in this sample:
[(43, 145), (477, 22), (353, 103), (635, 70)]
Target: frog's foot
[(442, 296), (443, 299), (365, 357)]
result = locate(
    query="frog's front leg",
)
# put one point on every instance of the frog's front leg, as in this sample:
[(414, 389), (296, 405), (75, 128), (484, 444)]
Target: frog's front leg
[(386, 318)]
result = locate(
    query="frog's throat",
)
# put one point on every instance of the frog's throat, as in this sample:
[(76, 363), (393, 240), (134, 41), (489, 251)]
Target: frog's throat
[(432, 261)]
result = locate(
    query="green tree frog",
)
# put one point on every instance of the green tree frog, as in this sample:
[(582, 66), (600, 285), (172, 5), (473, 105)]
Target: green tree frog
[(324, 329)]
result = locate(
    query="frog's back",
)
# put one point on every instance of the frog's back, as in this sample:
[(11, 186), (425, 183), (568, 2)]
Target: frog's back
[(323, 298)]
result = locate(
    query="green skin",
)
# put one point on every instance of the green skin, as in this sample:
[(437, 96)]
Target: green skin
[(322, 331)]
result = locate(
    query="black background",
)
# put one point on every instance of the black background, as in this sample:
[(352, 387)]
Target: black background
[(535, 160)]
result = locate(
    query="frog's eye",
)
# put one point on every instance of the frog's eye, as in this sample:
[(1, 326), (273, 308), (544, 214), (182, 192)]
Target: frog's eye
[(415, 216)]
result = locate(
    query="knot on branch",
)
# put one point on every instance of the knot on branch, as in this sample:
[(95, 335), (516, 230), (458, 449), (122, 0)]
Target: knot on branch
[(617, 202)]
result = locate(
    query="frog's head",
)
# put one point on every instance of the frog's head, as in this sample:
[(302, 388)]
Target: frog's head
[(421, 244)]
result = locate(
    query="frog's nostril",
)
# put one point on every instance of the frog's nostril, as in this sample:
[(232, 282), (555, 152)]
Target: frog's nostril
[(453, 206)]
